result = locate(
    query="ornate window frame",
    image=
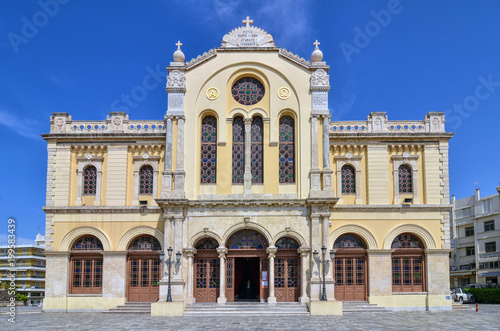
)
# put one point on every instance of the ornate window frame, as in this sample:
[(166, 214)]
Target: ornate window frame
[(412, 161), (140, 161), (355, 162), (83, 162)]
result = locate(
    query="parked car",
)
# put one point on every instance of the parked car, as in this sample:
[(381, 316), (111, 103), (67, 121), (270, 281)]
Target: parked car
[(459, 295), (475, 286)]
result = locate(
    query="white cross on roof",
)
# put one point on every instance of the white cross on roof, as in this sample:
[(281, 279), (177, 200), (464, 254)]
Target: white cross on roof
[(179, 44), (248, 21), (316, 43)]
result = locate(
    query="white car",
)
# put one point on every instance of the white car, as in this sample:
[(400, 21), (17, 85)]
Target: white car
[(459, 295)]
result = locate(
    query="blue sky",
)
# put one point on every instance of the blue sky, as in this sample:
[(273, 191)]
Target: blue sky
[(402, 57)]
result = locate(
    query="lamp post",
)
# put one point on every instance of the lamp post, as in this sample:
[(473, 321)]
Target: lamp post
[(325, 262), (169, 263)]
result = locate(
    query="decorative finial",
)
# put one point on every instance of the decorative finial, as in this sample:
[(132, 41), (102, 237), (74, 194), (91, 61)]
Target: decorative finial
[(317, 54), (248, 21), (178, 55)]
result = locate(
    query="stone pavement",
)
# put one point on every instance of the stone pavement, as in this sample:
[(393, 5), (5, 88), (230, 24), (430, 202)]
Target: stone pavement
[(488, 318)]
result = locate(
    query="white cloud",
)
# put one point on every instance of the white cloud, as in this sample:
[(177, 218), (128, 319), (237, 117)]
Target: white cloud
[(24, 127)]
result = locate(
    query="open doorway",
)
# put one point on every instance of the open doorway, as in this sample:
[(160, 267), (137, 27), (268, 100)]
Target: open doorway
[(247, 279)]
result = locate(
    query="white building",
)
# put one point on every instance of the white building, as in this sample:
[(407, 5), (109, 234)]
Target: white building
[(475, 226)]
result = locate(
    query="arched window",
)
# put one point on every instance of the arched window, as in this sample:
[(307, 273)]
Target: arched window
[(145, 243), (238, 150), (206, 244), (146, 180), (405, 179), (247, 239), (408, 264), (89, 180), (349, 241), (348, 180), (286, 150), (208, 150), (257, 150), (86, 266), (286, 243)]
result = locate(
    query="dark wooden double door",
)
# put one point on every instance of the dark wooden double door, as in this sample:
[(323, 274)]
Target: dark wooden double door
[(143, 275), (350, 276), (247, 277)]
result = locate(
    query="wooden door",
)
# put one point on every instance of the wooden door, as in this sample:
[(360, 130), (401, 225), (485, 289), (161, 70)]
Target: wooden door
[(350, 278), (207, 279), (286, 277), (143, 277), (230, 286)]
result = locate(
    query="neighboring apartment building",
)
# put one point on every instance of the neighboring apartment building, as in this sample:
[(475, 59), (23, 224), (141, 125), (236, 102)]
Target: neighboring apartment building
[(475, 225), (29, 267)]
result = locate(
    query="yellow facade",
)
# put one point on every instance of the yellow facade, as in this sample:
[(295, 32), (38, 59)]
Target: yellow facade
[(180, 209)]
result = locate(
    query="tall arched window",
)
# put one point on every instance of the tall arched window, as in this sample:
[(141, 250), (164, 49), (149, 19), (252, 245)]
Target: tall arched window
[(238, 150), (348, 180), (89, 180), (257, 150), (146, 180), (208, 150), (408, 264), (286, 150), (405, 179), (86, 266)]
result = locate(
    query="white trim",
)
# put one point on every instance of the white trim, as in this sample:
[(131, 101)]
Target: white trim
[(144, 160), (410, 160), (83, 162), (355, 162)]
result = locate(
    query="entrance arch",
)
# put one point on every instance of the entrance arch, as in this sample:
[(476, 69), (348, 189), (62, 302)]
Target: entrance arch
[(287, 270), (206, 271), (143, 269), (350, 268), (247, 266)]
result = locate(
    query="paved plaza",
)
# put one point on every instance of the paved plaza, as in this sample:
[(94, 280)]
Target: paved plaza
[(488, 318)]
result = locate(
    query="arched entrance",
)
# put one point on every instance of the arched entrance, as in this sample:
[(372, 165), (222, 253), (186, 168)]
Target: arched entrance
[(287, 270), (143, 270), (86, 266), (408, 261), (350, 268), (247, 269), (206, 271)]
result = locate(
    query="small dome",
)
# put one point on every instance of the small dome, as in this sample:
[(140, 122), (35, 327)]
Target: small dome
[(178, 55), (317, 54)]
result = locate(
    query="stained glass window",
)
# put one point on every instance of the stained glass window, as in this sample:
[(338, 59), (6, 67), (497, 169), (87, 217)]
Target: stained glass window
[(405, 179), (257, 150), (208, 150), (89, 180), (349, 241), (348, 180), (248, 91), (88, 243), (145, 243), (207, 243), (146, 180), (287, 243), (247, 239), (286, 150), (406, 240), (238, 150)]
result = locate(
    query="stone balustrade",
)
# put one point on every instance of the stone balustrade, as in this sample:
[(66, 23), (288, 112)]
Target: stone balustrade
[(377, 122)]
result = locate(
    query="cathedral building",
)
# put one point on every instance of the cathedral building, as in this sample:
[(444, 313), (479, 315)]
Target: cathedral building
[(250, 183)]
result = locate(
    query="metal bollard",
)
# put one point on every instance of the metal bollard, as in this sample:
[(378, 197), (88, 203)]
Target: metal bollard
[(477, 308)]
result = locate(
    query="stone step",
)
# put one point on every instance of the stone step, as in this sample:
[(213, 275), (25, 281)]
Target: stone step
[(247, 309), (362, 307), (131, 308)]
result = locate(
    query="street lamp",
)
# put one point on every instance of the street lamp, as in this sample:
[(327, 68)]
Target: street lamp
[(325, 262), (170, 263)]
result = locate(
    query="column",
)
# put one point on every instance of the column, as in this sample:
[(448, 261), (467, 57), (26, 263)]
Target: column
[(114, 275), (189, 255), (167, 241), (304, 252), (327, 171), (78, 201), (179, 164), (247, 176), (97, 201), (315, 172), (272, 254), (167, 173), (222, 282), (178, 220), (135, 200)]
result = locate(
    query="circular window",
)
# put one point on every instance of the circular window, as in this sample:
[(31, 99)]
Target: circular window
[(248, 91)]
